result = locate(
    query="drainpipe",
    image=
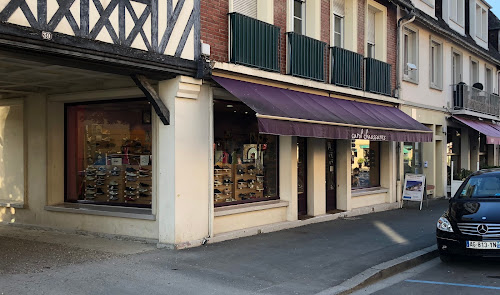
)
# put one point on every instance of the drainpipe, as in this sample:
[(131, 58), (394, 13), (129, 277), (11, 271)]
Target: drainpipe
[(410, 17)]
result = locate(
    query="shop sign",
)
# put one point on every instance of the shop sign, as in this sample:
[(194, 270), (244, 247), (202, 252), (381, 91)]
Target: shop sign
[(364, 134), (414, 188)]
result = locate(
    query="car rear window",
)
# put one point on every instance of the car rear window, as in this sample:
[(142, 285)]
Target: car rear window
[(482, 186)]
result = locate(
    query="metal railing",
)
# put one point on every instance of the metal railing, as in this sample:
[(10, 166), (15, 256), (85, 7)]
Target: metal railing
[(305, 57), (254, 43), (466, 97), (346, 68), (377, 76)]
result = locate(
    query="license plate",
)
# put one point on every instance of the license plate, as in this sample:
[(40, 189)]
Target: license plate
[(483, 244)]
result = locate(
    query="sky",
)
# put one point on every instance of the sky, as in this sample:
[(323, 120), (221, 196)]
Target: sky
[(496, 7)]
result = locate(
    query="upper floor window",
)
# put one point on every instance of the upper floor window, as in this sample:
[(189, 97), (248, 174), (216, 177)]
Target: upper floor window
[(370, 36), (457, 11), (488, 81), (338, 31), (436, 65), (299, 13), (410, 55), (456, 67), (481, 23), (474, 72), (246, 7)]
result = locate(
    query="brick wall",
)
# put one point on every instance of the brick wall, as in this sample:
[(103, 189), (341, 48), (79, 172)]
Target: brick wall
[(391, 41), (214, 27), (361, 26), (280, 21), (325, 34)]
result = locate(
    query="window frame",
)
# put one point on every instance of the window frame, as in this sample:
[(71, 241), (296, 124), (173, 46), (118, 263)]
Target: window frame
[(410, 57), (481, 24), (459, 16), (438, 64), (488, 84), (378, 162), (303, 16), (342, 30), (473, 71), (454, 53)]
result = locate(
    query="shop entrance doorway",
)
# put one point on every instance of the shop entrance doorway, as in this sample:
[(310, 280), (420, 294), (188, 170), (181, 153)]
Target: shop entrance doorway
[(331, 176), (302, 176)]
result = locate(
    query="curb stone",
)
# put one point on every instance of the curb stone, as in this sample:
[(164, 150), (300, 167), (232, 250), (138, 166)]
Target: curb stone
[(383, 271)]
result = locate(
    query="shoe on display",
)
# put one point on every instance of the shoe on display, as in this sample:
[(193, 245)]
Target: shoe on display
[(89, 186), (143, 190), (90, 178), (131, 179), (252, 195), (217, 167), (143, 174), (130, 193), (129, 198), (143, 170), (99, 191), (131, 189), (102, 169), (113, 182), (240, 172), (130, 169), (144, 195), (131, 174), (216, 191), (113, 198), (116, 168), (227, 182), (114, 193), (100, 177), (89, 197), (99, 182), (101, 173), (142, 184), (242, 196), (227, 192), (217, 182), (90, 173), (115, 173), (226, 168)]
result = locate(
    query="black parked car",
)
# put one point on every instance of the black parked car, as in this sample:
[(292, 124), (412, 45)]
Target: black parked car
[(471, 225)]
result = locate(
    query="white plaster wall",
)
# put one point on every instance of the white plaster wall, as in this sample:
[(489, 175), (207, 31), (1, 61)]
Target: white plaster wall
[(368, 200), (12, 152), (422, 93), (234, 222)]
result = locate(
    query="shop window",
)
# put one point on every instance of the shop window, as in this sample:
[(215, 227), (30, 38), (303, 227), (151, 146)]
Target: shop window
[(412, 157), (245, 162), (108, 153), (365, 164), (483, 152), (453, 153)]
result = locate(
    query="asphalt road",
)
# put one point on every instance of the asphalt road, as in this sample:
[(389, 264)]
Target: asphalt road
[(460, 277)]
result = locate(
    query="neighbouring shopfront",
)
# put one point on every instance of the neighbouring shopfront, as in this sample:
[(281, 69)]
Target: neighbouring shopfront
[(282, 155)]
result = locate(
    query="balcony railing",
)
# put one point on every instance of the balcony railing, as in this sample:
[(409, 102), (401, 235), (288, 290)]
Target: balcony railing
[(466, 97), (377, 76), (254, 43), (305, 57), (346, 68)]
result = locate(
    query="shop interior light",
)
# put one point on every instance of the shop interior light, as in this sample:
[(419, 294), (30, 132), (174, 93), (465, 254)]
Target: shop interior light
[(229, 105)]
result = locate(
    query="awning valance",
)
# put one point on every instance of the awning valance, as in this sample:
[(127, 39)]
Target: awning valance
[(287, 112), (491, 130)]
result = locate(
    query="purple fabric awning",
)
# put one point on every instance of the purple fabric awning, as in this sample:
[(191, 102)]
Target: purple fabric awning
[(287, 112), (491, 130)]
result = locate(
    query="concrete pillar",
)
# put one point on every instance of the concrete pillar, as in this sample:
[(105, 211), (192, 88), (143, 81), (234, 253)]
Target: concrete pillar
[(316, 177), (440, 167), (184, 162), (343, 170), (288, 174), (351, 25), (474, 149), (464, 149), (388, 169), (492, 154)]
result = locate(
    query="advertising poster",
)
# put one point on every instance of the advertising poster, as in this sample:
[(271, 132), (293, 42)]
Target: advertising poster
[(414, 187)]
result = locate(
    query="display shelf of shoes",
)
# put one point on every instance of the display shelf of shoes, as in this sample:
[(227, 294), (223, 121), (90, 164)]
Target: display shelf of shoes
[(223, 183), (137, 184), (101, 183), (246, 185)]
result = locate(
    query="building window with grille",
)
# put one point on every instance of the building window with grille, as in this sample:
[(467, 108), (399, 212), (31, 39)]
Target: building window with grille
[(370, 37)]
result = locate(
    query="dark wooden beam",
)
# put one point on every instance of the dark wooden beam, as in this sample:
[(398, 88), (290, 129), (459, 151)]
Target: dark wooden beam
[(150, 93)]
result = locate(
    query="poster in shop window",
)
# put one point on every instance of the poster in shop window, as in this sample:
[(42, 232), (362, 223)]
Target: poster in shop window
[(414, 187)]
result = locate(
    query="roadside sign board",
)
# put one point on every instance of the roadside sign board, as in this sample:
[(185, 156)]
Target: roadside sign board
[(414, 187)]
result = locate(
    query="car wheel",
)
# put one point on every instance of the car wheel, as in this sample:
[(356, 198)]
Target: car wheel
[(445, 258)]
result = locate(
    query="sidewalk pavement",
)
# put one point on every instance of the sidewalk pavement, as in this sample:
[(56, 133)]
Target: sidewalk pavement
[(305, 260)]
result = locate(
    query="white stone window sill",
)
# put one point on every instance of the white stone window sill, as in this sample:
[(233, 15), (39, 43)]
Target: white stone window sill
[(243, 208), (368, 191), (5, 203), (103, 210)]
